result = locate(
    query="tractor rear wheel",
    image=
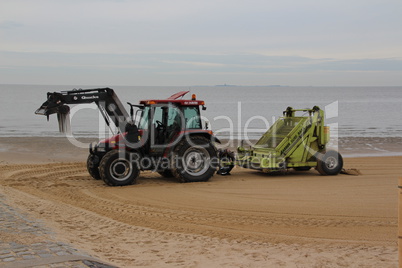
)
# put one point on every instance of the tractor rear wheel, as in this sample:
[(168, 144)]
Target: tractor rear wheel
[(329, 163), (93, 167), (117, 170), (194, 159)]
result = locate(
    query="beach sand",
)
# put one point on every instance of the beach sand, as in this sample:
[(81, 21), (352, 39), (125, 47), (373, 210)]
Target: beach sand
[(247, 219)]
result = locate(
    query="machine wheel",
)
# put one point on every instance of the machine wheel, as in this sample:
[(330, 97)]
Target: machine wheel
[(167, 173), (116, 170), (194, 160), (93, 167), (226, 161), (302, 168), (329, 163)]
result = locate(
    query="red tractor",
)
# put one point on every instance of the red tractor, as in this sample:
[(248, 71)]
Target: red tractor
[(167, 137)]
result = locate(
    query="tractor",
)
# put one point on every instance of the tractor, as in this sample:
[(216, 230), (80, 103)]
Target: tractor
[(163, 135)]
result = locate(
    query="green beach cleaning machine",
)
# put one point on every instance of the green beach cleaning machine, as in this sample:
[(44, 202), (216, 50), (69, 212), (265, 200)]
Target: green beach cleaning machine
[(298, 142)]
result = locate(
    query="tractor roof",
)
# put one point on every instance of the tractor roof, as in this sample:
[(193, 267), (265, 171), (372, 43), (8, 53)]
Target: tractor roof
[(175, 99)]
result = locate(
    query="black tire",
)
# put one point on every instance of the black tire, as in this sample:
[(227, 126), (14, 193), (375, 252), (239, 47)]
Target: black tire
[(116, 170), (329, 163), (167, 173), (194, 160), (226, 161), (93, 166), (302, 168)]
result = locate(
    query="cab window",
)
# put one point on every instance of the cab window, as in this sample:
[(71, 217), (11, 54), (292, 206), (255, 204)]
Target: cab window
[(158, 114), (173, 116), (192, 118)]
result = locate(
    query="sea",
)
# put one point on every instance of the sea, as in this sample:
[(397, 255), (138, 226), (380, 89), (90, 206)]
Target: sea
[(233, 112)]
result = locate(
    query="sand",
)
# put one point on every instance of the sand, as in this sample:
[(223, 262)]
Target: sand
[(248, 219)]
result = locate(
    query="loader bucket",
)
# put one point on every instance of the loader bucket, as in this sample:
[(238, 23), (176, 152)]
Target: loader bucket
[(54, 105)]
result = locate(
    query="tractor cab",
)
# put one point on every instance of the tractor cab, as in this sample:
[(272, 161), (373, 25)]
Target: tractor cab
[(164, 122), (159, 124)]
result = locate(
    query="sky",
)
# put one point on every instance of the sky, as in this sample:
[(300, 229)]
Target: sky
[(210, 42)]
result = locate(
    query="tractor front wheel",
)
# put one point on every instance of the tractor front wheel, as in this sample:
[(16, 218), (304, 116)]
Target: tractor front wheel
[(93, 166), (116, 169), (329, 163)]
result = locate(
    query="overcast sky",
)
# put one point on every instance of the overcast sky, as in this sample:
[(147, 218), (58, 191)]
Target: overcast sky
[(185, 42)]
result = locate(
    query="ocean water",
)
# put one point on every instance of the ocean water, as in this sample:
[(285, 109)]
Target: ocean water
[(232, 111)]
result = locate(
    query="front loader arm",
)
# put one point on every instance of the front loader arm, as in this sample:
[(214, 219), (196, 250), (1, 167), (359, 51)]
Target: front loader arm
[(106, 99)]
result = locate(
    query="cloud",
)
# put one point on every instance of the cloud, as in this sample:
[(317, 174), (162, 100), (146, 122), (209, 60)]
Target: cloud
[(215, 37), (190, 69), (194, 63), (9, 24), (307, 28), (224, 62)]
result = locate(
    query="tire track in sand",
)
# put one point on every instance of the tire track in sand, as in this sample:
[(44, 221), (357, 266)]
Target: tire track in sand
[(69, 184)]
